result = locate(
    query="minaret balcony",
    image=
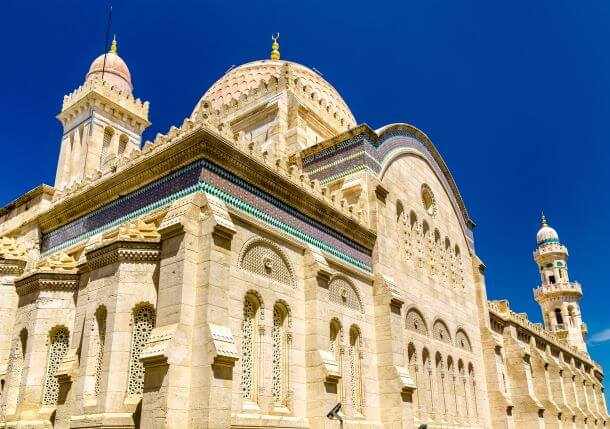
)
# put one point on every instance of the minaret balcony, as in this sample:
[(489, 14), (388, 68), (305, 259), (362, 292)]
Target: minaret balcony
[(550, 290)]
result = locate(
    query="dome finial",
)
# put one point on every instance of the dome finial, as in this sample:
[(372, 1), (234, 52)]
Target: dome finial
[(113, 47), (544, 223), (275, 53)]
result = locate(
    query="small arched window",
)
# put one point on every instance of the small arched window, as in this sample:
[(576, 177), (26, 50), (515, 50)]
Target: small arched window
[(279, 340), (249, 348)]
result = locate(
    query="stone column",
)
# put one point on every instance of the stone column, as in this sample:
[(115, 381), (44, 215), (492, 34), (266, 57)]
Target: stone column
[(201, 261), (46, 303), (396, 386), (324, 380), (527, 410), (10, 267), (124, 271)]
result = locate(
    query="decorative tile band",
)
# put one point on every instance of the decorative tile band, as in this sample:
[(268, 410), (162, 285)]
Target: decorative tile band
[(361, 152), (207, 177)]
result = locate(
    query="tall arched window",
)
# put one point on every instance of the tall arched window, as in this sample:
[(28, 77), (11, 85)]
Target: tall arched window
[(58, 347), (123, 143), (452, 387), (440, 384), (336, 335), (143, 324), (355, 368), (414, 371), (473, 390), (280, 343), (558, 316), (427, 395), (108, 133), (100, 319), (249, 349), (462, 389)]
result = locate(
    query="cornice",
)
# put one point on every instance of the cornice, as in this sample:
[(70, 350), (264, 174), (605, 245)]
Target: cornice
[(47, 280), (12, 266), (189, 147), (123, 251)]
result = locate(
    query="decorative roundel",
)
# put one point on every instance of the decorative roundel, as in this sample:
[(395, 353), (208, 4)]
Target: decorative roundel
[(428, 199)]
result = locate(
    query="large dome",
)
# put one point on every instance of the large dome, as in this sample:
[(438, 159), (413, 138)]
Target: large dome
[(114, 70), (248, 76)]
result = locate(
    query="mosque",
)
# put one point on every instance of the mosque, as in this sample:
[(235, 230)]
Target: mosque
[(269, 263)]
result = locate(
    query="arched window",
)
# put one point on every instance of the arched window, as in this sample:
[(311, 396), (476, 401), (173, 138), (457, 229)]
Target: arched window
[(462, 389), (427, 396), (558, 316), (249, 349), (414, 372), (58, 347), (473, 390), (100, 319), (571, 315), (143, 324), (452, 387), (440, 383), (280, 342), (108, 133), (336, 338), (355, 368), (123, 143)]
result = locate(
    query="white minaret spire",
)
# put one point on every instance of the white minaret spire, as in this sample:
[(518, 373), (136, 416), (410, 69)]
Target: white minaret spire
[(557, 295)]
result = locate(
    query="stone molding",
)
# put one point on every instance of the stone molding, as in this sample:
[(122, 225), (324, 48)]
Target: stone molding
[(332, 373), (406, 381), (40, 280), (156, 350), (225, 351), (123, 251), (12, 266)]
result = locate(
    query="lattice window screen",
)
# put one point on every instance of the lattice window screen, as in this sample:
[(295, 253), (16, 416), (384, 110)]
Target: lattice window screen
[(248, 350), (144, 322), (57, 350), (279, 356), (99, 359)]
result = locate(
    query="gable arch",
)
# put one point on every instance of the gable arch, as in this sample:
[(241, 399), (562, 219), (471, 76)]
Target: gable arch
[(264, 258), (415, 321), (440, 331), (462, 340), (342, 291)]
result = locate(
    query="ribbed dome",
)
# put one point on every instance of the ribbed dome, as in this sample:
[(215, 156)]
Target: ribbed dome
[(241, 79), (115, 70)]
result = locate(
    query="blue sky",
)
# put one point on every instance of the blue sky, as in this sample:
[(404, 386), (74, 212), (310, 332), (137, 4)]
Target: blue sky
[(515, 95)]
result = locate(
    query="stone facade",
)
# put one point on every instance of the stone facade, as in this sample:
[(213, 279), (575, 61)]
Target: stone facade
[(261, 263)]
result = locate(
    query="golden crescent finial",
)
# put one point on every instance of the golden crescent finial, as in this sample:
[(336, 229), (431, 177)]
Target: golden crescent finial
[(275, 52), (544, 220)]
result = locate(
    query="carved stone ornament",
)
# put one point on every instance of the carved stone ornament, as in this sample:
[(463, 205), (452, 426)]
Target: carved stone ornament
[(156, 350), (58, 262), (136, 230), (10, 249)]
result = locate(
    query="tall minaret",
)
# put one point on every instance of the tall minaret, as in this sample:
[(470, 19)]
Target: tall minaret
[(557, 295), (101, 119)]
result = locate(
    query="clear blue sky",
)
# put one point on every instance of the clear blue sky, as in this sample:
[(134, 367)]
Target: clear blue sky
[(515, 95)]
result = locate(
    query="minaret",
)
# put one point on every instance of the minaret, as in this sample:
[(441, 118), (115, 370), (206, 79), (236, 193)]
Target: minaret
[(557, 295), (101, 120)]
